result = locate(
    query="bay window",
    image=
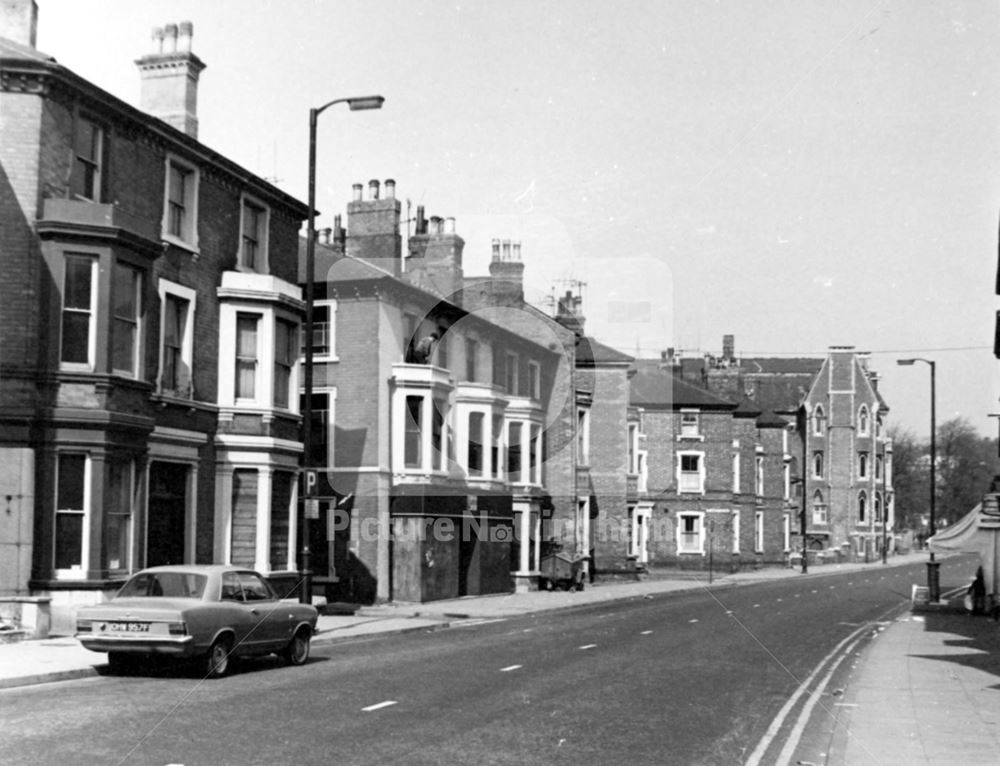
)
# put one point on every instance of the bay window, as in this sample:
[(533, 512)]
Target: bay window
[(126, 296), (78, 312), (246, 355)]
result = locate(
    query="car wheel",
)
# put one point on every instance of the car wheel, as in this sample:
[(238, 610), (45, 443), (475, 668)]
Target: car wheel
[(297, 651), (217, 659)]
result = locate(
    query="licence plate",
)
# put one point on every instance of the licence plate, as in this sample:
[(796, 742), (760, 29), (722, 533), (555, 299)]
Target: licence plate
[(129, 627)]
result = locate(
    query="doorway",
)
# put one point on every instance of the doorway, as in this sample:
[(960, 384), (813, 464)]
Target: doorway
[(167, 513)]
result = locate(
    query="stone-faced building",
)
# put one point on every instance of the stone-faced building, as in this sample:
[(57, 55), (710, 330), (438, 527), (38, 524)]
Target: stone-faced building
[(148, 362)]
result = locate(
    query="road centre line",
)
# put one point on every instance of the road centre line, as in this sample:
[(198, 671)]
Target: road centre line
[(510, 668), (378, 706), (588, 646), (645, 633)]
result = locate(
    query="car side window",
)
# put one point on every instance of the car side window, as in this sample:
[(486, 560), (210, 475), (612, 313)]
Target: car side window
[(254, 587), (231, 590)]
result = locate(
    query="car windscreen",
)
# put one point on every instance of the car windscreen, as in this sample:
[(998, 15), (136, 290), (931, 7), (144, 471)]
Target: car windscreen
[(165, 585)]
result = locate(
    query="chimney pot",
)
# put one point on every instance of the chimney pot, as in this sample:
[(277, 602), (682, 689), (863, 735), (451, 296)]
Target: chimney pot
[(505, 246), (185, 33), (516, 251), (390, 188), (157, 39), (170, 33), (421, 220), (496, 249), (357, 191), (373, 189), (449, 225)]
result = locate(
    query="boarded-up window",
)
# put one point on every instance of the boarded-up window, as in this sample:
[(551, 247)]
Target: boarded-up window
[(242, 552)]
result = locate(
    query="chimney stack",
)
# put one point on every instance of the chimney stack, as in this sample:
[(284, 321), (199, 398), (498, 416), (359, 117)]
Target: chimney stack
[(568, 312), (170, 78), (19, 21), (506, 273), (373, 227), (728, 347)]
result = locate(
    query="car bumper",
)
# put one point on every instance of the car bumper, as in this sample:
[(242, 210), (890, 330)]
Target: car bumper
[(173, 646)]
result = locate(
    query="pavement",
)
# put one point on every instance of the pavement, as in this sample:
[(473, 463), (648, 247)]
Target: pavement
[(936, 668)]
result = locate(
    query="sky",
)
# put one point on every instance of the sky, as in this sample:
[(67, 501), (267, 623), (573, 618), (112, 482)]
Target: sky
[(798, 173)]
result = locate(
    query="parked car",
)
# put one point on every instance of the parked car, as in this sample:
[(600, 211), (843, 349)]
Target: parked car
[(213, 613)]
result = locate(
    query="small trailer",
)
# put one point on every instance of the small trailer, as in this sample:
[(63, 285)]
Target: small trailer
[(561, 570)]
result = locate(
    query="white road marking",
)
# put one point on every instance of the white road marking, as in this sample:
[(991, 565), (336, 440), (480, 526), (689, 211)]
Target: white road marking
[(845, 704), (510, 668), (588, 646), (379, 706), (694, 620), (645, 633), (776, 724), (755, 606)]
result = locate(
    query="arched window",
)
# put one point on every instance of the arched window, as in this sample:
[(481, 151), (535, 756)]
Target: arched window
[(819, 508), (862, 465), (862, 507), (863, 420), (878, 507), (818, 464), (818, 417), (878, 425)]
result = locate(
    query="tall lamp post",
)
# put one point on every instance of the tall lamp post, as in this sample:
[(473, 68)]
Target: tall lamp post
[(355, 104), (933, 582)]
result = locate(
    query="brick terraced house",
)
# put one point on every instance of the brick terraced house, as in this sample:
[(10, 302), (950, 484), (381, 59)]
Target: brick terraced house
[(150, 312)]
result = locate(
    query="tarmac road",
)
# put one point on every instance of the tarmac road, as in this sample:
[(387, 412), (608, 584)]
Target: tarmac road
[(696, 677)]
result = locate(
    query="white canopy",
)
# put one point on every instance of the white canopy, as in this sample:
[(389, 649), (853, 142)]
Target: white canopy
[(977, 532)]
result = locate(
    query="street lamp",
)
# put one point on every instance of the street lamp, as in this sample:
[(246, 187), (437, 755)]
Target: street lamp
[(355, 104), (933, 582)]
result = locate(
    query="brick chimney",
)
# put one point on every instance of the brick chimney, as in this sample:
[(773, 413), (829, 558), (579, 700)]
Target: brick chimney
[(729, 347), (19, 21), (170, 78), (373, 226), (507, 273), (569, 314), (435, 257)]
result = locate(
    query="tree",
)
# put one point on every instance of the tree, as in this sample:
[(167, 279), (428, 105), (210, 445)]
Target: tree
[(910, 478), (966, 463)]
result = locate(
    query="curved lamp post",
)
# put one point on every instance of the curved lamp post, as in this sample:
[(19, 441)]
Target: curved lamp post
[(933, 582), (357, 103)]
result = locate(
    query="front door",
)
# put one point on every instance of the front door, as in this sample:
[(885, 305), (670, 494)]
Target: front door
[(167, 511)]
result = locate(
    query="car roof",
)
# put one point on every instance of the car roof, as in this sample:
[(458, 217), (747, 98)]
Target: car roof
[(205, 569)]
